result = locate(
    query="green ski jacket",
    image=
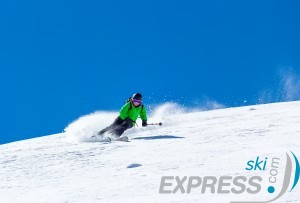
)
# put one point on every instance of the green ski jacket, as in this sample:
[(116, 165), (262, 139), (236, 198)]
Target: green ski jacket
[(132, 112)]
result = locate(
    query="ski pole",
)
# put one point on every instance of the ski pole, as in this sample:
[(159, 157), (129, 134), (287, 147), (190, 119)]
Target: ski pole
[(160, 123)]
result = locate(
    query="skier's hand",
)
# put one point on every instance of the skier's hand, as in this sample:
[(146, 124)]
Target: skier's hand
[(144, 123)]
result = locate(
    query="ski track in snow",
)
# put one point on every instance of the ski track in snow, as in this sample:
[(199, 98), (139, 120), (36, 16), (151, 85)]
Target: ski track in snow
[(68, 167)]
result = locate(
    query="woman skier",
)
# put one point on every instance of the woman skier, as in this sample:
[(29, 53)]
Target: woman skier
[(128, 116)]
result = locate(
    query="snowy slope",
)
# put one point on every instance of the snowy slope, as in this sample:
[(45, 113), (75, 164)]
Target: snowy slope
[(69, 167)]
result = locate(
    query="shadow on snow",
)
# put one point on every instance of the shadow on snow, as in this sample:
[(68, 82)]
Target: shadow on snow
[(157, 137)]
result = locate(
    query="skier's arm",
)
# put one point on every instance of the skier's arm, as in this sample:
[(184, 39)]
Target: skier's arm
[(143, 114), (124, 110)]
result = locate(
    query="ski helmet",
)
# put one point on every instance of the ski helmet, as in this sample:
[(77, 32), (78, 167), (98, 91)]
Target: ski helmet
[(137, 96)]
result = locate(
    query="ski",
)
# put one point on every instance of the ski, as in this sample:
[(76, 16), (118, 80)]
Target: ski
[(123, 139), (102, 138)]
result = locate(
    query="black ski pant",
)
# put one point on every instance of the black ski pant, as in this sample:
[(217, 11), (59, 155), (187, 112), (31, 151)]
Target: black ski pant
[(118, 127)]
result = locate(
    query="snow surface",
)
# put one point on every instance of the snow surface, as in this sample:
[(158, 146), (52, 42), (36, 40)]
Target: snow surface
[(71, 167)]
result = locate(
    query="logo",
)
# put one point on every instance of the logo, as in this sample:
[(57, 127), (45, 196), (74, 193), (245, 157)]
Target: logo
[(242, 184)]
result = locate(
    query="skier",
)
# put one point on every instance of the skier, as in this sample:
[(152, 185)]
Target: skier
[(128, 115)]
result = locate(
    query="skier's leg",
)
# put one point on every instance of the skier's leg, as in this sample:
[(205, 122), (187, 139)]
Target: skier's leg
[(104, 130), (118, 121), (119, 130)]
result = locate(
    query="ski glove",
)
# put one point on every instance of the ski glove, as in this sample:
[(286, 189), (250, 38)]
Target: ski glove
[(144, 123)]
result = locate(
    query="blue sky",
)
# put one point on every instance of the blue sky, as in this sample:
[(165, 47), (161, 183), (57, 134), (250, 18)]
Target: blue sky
[(63, 59)]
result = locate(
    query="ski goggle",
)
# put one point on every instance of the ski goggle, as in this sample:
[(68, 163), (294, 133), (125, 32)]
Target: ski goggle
[(137, 101)]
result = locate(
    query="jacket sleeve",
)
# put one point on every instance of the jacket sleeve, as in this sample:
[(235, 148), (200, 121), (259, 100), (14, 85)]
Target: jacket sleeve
[(124, 110), (143, 114)]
